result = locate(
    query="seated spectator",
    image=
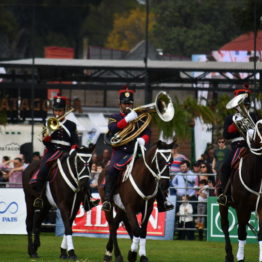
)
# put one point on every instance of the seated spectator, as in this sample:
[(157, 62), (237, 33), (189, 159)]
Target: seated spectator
[(16, 173), (202, 194), (186, 220)]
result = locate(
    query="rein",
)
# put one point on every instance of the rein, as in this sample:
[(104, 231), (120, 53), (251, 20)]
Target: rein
[(256, 151), (258, 194)]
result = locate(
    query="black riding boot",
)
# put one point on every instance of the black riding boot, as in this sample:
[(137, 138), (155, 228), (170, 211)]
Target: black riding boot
[(38, 186), (224, 192), (89, 203), (162, 203), (109, 190)]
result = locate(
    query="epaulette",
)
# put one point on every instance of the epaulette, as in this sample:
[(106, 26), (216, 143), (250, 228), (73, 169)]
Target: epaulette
[(111, 120)]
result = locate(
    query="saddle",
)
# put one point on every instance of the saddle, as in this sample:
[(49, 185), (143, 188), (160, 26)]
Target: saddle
[(240, 152)]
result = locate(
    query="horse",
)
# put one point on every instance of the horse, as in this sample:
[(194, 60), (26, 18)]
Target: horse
[(136, 194), (66, 189), (246, 190)]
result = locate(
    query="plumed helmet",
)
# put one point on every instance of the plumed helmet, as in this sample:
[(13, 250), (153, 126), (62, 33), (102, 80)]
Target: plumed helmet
[(59, 102), (126, 96), (242, 90)]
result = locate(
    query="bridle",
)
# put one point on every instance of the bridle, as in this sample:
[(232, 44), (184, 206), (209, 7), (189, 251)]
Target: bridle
[(78, 172)]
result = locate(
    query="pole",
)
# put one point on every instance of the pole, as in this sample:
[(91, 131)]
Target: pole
[(33, 74), (148, 94)]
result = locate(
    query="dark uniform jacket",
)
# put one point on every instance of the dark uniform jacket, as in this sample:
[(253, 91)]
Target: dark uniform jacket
[(63, 138)]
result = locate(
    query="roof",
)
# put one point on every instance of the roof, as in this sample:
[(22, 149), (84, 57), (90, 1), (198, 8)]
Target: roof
[(244, 42), (133, 64)]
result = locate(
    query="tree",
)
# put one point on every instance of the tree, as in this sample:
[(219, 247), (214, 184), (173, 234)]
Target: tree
[(193, 27), (129, 30)]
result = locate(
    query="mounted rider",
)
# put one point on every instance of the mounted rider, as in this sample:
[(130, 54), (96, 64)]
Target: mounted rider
[(63, 139), (236, 133), (121, 155)]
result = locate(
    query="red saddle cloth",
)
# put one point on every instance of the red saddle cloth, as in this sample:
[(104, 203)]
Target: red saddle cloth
[(240, 152), (49, 162)]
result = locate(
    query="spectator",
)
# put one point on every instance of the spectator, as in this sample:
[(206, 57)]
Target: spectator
[(196, 167), (177, 160), (16, 173), (184, 182), (220, 155), (208, 155), (96, 169), (205, 173), (105, 157), (36, 156), (202, 194), (4, 169), (186, 220)]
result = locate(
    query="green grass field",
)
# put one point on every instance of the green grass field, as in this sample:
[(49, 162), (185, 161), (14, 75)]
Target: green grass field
[(14, 248)]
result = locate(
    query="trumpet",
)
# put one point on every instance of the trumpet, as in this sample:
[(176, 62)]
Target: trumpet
[(53, 123)]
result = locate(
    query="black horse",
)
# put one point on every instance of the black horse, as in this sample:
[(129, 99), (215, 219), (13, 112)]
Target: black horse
[(66, 189), (246, 188), (136, 194)]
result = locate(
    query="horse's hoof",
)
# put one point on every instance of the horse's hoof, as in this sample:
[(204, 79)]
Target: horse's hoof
[(132, 255), (119, 259), (34, 255), (63, 254), (72, 255), (144, 259), (229, 259), (107, 258)]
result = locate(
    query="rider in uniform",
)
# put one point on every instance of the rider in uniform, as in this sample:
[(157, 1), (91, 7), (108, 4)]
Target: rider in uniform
[(237, 141), (121, 154), (63, 139)]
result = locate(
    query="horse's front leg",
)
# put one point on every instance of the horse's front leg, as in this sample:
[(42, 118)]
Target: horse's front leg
[(67, 243), (223, 210), (242, 232)]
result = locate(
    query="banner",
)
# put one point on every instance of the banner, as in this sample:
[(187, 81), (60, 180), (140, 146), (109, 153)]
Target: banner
[(214, 230), (94, 224), (12, 211)]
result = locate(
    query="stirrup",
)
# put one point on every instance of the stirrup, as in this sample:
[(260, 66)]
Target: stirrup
[(38, 203), (222, 199), (106, 206)]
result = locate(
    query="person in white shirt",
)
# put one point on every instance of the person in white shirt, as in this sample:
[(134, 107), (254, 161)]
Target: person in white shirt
[(186, 220)]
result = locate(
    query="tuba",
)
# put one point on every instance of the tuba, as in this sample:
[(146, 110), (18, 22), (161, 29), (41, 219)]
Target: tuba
[(245, 122), (53, 123), (163, 106)]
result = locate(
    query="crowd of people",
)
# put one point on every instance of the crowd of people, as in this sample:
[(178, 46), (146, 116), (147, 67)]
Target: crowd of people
[(193, 183), (11, 170)]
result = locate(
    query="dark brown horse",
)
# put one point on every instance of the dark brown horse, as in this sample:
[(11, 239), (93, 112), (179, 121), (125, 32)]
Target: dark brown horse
[(246, 188), (136, 194), (66, 189)]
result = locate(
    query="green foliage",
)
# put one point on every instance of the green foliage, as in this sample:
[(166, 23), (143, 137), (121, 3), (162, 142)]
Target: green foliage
[(213, 113), (3, 118), (198, 27)]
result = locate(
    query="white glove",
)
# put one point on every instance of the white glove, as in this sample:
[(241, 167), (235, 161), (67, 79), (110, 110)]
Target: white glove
[(131, 116), (141, 141), (238, 117)]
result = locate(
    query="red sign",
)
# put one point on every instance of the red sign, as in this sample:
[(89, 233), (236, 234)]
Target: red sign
[(94, 222)]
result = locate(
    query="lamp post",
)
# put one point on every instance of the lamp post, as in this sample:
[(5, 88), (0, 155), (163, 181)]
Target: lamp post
[(148, 93)]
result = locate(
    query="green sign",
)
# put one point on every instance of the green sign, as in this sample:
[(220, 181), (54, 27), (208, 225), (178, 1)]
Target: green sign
[(214, 231)]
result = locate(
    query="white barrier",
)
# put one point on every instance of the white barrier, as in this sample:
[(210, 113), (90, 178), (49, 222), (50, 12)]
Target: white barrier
[(12, 211)]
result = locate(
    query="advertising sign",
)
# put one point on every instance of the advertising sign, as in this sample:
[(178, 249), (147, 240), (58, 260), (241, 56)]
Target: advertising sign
[(214, 231), (12, 211), (94, 224)]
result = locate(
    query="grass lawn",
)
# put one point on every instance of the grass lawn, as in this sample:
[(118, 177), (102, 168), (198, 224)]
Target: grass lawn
[(14, 248)]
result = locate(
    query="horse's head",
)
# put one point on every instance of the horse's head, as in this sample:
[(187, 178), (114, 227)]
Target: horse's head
[(80, 166), (254, 139)]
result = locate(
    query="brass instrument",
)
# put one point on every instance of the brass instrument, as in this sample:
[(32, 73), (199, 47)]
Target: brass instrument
[(246, 122), (53, 123), (163, 106)]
